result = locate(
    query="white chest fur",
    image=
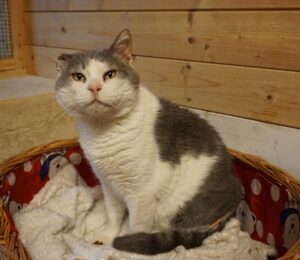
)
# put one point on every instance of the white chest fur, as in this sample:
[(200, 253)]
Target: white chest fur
[(122, 151)]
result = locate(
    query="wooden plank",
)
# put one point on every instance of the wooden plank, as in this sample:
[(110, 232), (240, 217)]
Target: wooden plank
[(29, 59), (79, 5), (12, 73), (260, 94), (7, 64), (18, 33), (261, 39)]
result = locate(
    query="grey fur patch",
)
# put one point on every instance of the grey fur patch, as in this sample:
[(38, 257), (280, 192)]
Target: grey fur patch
[(219, 194), (179, 131), (76, 62)]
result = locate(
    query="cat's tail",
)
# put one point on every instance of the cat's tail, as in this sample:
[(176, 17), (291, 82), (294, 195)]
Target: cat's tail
[(159, 242), (165, 241)]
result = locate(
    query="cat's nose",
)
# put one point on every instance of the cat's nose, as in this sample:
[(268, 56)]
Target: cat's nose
[(94, 88)]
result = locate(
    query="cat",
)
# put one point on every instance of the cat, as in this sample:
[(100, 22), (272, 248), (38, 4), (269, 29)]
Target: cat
[(162, 168)]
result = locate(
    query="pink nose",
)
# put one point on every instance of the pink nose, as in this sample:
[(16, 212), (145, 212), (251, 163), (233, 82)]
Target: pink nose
[(95, 88)]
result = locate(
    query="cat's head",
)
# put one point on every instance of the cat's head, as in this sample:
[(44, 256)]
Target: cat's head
[(100, 83)]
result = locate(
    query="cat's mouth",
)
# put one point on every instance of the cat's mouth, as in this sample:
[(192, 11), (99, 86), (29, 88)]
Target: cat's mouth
[(97, 101)]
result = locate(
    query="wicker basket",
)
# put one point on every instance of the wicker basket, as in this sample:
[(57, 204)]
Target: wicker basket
[(11, 247)]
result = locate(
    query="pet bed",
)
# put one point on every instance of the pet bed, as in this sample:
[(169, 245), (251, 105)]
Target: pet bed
[(269, 210)]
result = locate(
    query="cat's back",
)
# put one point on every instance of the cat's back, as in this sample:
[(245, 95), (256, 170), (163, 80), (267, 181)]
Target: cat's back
[(179, 131), (199, 163)]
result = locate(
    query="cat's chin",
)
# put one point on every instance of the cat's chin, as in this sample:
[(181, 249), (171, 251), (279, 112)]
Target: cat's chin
[(98, 109), (101, 111)]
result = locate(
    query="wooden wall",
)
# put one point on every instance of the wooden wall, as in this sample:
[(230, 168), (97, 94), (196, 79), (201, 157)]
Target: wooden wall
[(233, 57)]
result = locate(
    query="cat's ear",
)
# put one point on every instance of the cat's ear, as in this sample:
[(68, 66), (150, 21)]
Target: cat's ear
[(62, 61), (122, 46)]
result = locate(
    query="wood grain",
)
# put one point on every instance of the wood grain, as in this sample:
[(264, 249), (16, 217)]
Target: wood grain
[(260, 94), (12, 73), (7, 65), (75, 5), (260, 39)]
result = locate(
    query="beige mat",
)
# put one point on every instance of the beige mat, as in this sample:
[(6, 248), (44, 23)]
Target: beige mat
[(30, 121)]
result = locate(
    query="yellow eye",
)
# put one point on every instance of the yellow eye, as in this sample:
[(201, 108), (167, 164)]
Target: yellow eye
[(78, 77), (110, 74)]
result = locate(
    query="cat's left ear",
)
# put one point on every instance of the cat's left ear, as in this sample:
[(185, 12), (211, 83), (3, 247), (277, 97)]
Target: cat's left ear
[(62, 61), (122, 46)]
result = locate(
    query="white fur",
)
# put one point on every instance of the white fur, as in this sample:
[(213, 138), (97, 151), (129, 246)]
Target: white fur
[(120, 144)]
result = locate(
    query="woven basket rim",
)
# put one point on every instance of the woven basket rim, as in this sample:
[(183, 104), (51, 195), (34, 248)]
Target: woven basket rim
[(290, 182), (36, 151), (281, 176)]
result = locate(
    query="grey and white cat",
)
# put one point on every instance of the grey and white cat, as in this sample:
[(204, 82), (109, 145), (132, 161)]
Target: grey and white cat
[(162, 168)]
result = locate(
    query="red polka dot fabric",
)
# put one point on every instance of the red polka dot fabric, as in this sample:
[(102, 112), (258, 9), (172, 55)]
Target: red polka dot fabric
[(267, 210)]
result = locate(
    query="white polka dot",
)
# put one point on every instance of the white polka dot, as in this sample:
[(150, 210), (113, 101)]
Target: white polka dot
[(255, 186), (259, 228), (270, 239), (275, 193), (27, 166), (11, 179), (75, 158)]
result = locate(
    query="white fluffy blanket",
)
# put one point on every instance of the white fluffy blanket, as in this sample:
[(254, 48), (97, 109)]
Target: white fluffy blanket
[(66, 217)]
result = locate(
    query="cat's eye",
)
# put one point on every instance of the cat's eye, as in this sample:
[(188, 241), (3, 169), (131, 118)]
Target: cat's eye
[(109, 75), (78, 77)]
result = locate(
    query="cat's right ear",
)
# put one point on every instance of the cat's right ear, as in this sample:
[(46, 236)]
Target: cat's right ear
[(122, 46), (62, 61)]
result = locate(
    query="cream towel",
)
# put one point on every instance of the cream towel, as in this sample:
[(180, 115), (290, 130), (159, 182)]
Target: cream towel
[(65, 205), (27, 122), (65, 218)]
